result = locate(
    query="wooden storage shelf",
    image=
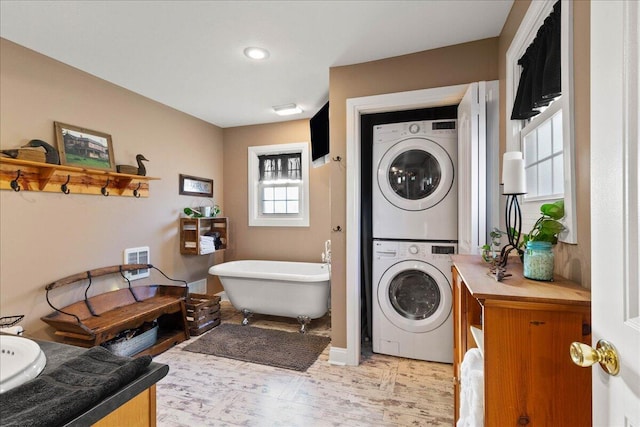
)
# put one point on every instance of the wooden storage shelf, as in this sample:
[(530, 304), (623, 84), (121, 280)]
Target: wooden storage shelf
[(36, 176), (192, 228), (527, 328)]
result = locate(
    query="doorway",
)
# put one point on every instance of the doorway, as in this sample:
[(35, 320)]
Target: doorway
[(356, 107), (367, 122)]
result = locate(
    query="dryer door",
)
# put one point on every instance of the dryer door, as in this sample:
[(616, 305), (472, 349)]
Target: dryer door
[(415, 174), (415, 296)]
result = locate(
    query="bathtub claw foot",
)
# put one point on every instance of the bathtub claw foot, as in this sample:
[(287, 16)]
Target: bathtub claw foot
[(304, 321), (246, 314)]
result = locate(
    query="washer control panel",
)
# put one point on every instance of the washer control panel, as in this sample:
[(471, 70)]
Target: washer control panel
[(394, 131), (389, 249)]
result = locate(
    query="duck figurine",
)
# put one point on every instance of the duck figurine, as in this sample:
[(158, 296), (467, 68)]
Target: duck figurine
[(50, 153), (132, 170)]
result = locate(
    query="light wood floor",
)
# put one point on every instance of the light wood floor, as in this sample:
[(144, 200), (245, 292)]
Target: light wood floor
[(204, 390)]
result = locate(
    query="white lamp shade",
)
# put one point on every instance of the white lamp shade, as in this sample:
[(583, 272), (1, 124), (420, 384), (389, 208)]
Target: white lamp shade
[(513, 174)]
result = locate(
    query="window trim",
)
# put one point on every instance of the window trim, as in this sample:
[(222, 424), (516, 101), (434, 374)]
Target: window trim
[(533, 19), (253, 183)]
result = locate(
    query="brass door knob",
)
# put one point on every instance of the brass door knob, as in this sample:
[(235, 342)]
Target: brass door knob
[(604, 353)]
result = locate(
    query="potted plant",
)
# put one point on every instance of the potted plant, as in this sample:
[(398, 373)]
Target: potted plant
[(547, 227), (538, 254), (491, 251)]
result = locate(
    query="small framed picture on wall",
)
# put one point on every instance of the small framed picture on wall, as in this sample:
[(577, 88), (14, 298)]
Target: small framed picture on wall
[(195, 186)]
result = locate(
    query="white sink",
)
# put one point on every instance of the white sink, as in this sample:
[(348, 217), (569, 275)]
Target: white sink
[(21, 360)]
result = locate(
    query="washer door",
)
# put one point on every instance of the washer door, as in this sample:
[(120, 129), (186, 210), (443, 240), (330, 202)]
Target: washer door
[(415, 296), (415, 174)]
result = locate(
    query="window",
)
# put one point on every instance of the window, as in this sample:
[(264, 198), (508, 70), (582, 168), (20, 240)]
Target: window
[(546, 136), (279, 185), (543, 157)]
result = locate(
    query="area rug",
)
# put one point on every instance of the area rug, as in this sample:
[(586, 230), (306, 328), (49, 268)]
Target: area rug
[(289, 350)]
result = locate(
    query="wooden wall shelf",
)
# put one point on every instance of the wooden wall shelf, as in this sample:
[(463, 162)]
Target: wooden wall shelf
[(192, 228), (35, 176)]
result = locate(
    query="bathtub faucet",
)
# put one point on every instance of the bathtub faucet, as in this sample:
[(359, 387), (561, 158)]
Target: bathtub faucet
[(326, 255)]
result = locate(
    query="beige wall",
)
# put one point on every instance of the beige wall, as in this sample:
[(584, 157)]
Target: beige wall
[(47, 236), (272, 243), (464, 63), (572, 261)]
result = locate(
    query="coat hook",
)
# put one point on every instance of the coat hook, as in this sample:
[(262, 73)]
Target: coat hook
[(14, 183), (336, 159), (103, 190), (64, 187), (337, 229), (136, 194)]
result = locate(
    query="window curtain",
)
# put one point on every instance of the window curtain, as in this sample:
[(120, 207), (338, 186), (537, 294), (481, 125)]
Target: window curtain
[(280, 166), (540, 81)]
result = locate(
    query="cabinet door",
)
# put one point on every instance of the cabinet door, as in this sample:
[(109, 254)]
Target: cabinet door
[(529, 378), (138, 412), (507, 365)]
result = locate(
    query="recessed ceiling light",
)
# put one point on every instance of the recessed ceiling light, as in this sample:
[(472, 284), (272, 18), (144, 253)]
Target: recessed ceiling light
[(287, 110), (256, 53)]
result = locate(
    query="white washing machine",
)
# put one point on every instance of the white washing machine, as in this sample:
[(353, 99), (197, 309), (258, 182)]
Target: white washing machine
[(413, 300), (415, 194)]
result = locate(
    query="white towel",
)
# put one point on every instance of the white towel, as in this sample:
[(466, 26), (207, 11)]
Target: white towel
[(15, 330), (471, 390)]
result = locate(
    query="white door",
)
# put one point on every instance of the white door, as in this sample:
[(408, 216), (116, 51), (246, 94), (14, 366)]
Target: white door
[(614, 208), (472, 163)]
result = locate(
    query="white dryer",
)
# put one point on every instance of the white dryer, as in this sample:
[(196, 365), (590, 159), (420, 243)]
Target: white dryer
[(413, 300), (414, 194)]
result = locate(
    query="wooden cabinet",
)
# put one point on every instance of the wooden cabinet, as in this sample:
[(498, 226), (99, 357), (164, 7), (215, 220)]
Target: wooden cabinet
[(192, 229), (24, 175), (528, 326), (138, 412)]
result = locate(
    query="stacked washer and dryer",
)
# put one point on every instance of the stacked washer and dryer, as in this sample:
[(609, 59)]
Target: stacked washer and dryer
[(415, 223)]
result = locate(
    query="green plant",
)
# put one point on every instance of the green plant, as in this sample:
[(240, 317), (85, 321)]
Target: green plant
[(547, 227), (192, 213), (491, 251)]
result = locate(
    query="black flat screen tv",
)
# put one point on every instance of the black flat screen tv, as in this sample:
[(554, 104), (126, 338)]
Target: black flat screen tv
[(319, 125)]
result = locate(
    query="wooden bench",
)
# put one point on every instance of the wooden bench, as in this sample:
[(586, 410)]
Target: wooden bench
[(98, 319)]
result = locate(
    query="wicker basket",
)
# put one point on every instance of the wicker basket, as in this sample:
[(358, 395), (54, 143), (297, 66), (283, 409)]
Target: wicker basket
[(134, 345)]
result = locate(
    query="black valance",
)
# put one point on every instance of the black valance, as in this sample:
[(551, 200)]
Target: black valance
[(280, 166), (540, 81)]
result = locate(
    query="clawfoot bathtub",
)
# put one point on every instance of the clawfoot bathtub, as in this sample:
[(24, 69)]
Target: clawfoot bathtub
[(279, 288)]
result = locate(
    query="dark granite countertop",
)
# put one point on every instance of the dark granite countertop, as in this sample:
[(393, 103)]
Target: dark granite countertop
[(58, 353)]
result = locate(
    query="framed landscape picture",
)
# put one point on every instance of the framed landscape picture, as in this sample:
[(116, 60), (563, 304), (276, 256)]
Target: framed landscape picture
[(84, 147)]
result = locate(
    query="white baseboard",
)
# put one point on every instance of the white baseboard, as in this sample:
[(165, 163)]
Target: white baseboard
[(338, 356)]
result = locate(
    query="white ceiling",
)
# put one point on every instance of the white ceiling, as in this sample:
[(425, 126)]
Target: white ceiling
[(189, 54)]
